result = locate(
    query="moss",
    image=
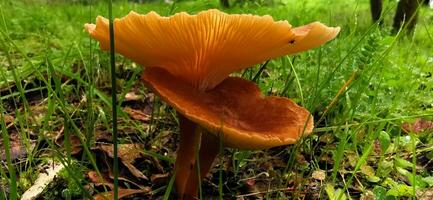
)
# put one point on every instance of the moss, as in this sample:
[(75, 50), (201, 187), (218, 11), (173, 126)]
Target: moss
[(26, 179)]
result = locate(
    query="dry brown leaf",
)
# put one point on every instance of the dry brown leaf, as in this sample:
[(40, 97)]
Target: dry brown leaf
[(134, 171), (106, 179), (17, 148), (121, 178), (127, 153), (136, 114), (8, 119), (103, 135), (73, 140), (159, 178), (98, 181), (121, 193), (157, 164)]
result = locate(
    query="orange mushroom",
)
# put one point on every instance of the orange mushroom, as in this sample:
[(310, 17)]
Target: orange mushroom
[(188, 60)]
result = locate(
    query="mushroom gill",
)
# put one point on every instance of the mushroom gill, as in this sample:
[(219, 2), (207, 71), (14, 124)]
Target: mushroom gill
[(204, 49)]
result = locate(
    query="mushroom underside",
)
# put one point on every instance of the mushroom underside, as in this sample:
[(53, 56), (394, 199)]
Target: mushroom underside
[(235, 111), (204, 49)]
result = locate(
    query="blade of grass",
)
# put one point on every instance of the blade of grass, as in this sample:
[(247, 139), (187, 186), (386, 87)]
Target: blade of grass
[(12, 176), (262, 67), (367, 149), (90, 73), (414, 158), (169, 187), (172, 7), (298, 83), (113, 100)]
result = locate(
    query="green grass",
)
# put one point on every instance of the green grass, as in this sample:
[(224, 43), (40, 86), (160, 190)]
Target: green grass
[(48, 61)]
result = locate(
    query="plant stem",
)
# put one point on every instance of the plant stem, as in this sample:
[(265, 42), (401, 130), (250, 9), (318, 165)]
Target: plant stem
[(114, 100)]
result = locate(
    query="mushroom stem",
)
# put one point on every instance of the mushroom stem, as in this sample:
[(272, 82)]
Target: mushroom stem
[(209, 150), (186, 156), (187, 165)]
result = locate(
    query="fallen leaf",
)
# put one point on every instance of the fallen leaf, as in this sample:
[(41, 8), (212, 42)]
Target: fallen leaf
[(121, 193), (127, 153), (98, 180), (105, 181), (319, 175), (121, 178), (136, 114), (8, 119), (17, 148), (135, 171), (156, 162), (120, 175), (419, 126), (74, 141), (159, 178), (103, 135)]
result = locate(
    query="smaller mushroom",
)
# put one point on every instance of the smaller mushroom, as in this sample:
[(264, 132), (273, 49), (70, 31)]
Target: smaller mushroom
[(234, 113), (188, 60)]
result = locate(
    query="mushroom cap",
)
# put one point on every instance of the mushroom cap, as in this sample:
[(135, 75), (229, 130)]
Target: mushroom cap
[(204, 49), (235, 110)]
